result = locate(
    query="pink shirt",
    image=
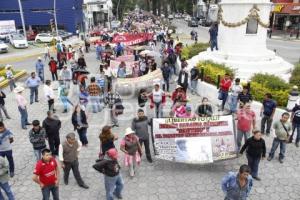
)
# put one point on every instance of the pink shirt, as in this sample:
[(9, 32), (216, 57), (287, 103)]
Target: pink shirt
[(245, 120), (21, 101)]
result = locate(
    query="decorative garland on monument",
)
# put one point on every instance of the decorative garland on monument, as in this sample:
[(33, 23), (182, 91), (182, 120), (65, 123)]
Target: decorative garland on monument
[(253, 13)]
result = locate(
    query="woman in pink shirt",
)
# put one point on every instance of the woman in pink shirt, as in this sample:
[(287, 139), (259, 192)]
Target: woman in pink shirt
[(22, 103), (130, 145)]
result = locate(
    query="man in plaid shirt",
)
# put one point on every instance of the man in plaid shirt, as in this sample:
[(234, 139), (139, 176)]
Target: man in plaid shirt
[(111, 99), (94, 92)]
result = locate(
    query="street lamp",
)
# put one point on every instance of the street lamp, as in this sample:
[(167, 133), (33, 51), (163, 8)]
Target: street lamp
[(55, 19), (22, 18)]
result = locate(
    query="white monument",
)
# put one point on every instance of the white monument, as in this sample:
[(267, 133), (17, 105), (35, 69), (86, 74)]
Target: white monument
[(242, 40)]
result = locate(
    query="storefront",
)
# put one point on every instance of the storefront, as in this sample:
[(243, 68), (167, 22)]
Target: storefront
[(285, 18)]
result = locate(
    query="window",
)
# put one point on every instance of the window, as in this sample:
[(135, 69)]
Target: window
[(37, 10), (9, 11), (252, 26)]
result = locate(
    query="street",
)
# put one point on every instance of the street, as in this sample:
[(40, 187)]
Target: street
[(160, 180), (288, 50)]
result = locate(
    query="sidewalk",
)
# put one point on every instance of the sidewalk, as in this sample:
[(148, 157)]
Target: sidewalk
[(35, 52)]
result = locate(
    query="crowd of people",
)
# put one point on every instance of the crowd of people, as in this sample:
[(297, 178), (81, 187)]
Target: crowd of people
[(70, 65)]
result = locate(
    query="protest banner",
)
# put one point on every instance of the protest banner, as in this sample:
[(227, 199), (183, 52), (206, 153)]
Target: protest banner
[(195, 140), (134, 84), (125, 58)]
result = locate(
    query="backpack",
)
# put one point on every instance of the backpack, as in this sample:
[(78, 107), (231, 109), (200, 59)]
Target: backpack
[(119, 107)]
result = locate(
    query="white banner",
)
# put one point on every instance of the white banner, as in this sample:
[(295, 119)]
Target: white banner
[(195, 140), (7, 27)]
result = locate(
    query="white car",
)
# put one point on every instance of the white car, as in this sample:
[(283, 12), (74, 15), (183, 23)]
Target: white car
[(3, 47), (18, 41), (46, 37), (187, 18)]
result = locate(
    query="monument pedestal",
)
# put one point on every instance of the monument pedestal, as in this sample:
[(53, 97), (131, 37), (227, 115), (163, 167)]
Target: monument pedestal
[(242, 35)]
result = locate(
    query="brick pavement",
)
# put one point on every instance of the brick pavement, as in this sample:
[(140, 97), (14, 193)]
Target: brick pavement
[(160, 180)]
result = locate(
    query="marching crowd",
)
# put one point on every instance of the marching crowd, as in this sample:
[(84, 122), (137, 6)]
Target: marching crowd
[(100, 94)]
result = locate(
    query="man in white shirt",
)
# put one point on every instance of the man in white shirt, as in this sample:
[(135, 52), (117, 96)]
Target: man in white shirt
[(47, 52), (108, 73), (234, 91), (49, 95), (22, 103), (68, 157), (66, 76)]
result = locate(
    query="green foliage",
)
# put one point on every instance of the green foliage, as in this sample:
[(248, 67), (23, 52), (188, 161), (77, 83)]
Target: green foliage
[(295, 78), (260, 83), (193, 50), (266, 83), (212, 70), (270, 81), (258, 92)]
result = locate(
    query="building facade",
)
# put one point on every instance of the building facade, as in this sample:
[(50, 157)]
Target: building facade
[(97, 13), (285, 17), (38, 13)]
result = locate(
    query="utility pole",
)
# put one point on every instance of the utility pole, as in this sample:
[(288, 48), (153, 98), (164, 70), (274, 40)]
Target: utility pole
[(22, 18), (55, 19), (118, 9)]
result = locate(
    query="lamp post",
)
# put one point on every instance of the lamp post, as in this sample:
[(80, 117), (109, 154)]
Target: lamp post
[(55, 19), (22, 18)]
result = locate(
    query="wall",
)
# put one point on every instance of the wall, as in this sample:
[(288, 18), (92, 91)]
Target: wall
[(69, 12), (211, 92)]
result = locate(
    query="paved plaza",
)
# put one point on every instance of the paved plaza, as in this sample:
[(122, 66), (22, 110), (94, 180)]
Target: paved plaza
[(160, 180)]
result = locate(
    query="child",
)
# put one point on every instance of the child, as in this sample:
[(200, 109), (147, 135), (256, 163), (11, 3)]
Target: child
[(4, 180)]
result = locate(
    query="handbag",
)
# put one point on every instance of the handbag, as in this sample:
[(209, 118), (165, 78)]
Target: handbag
[(288, 136), (220, 96)]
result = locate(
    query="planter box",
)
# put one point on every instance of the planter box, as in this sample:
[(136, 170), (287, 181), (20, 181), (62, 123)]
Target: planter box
[(18, 75)]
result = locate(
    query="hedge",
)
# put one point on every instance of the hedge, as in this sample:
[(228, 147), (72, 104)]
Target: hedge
[(193, 50), (260, 83), (295, 77), (266, 83), (212, 70)]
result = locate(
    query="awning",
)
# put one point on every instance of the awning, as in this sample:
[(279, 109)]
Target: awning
[(289, 8)]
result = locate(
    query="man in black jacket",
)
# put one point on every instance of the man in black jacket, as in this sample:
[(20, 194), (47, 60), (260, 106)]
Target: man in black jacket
[(140, 127), (52, 125), (183, 79), (110, 167), (2, 106)]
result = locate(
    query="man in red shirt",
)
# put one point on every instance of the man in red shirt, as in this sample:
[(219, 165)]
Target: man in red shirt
[(53, 69), (46, 174), (246, 118), (224, 88)]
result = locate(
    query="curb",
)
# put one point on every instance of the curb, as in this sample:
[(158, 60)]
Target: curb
[(17, 76), (21, 58)]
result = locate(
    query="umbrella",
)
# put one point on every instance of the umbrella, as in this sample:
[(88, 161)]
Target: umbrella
[(150, 53), (81, 71)]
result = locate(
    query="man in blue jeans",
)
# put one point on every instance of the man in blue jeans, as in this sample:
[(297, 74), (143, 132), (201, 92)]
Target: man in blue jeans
[(295, 118), (6, 138), (110, 167), (267, 112), (33, 83), (4, 185), (282, 132)]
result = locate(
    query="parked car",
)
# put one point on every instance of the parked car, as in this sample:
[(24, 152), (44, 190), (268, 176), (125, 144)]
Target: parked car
[(17, 40), (46, 37), (3, 47), (200, 19), (206, 23), (187, 18), (171, 17), (193, 22)]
